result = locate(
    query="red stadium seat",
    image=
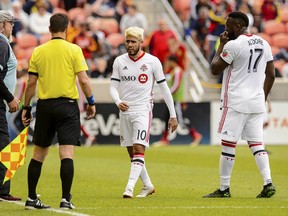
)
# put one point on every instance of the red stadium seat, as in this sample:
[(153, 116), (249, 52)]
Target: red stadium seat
[(54, 3), (182, 8), (76, 12), (44, 38), (109, 25), (275, 50), (59, 10), (266, 37), (284, 15), (280, 40), (274, 27), (115, 39), (26, 40)]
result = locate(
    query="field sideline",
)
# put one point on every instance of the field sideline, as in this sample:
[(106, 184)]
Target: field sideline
[(181, 176)]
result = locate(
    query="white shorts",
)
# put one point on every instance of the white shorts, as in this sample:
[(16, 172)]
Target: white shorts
[(246, 126), (135, 128)]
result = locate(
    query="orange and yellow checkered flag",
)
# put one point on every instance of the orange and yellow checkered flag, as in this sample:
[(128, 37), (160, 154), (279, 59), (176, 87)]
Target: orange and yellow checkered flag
[(13, 156)]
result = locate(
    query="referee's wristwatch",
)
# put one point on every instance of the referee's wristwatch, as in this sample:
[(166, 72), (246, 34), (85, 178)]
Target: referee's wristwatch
[(26, 107)]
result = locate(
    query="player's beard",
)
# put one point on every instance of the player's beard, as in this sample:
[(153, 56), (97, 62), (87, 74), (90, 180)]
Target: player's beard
[(231, 36), (133, 52)]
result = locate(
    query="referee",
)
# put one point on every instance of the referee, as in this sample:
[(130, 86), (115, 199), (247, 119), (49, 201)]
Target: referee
[(54, 67)]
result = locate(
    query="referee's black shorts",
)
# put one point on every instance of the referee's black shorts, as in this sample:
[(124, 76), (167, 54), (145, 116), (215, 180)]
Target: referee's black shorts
[(59, 115)]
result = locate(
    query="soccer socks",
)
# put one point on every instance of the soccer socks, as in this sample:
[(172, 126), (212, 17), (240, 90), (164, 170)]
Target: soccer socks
[(226, 163), (144, 176), (137, 165), (262, 160), (66, 175), (34, 172)]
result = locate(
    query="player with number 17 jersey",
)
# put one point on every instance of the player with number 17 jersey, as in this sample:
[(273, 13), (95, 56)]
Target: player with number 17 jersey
[(136, 80), (242, 86)]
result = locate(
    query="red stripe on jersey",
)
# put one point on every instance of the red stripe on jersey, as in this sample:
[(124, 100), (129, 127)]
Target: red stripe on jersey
[(137, 58)]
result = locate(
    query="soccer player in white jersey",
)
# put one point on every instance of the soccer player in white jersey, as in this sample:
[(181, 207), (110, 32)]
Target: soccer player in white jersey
[(248, 76), (131, 87)]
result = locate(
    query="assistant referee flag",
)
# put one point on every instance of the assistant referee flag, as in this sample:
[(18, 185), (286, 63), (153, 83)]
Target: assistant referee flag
[(13, 156)]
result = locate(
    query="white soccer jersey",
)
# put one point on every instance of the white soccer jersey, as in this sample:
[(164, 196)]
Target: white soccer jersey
[(243, 79), (137, 79)]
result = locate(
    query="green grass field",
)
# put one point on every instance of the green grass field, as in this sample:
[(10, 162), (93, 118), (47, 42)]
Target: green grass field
[(180, 174)]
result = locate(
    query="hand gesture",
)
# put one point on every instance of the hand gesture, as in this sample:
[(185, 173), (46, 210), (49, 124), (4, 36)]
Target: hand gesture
[(14, 105), (90, 111), (172, 124)]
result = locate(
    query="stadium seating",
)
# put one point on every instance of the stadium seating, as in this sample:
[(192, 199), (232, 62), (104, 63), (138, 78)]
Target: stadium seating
[(182, 9), (273, 27), (284, 15), (115, 39), (266, 37), (280, 40), (26, 40), (76, 12), (44, 38), (109, 25)]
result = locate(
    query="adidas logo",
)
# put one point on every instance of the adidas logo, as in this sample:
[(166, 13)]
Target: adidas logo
[(225, 133), (125, 68)]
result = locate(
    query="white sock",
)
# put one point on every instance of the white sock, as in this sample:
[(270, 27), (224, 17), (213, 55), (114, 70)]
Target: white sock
[(262, 161), (145, 177), (137, 165), (226, 163)]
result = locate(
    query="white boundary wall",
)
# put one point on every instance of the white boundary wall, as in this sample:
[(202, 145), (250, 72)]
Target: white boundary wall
[(276, 133)]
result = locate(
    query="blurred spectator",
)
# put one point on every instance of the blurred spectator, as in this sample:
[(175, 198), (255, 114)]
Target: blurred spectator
[(69, 4), (270, 10), (101, 69), (104, 8), (218, 15), (21, 17), (177, 49), (5, 4), (104, 49), (30, 6), (133, 18), (73, 29), (158, 44), (200, 29), (86, 41), (39, 21), (244, 6)]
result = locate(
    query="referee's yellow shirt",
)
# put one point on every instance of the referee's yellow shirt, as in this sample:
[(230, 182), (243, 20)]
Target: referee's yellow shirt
[(57, 62)]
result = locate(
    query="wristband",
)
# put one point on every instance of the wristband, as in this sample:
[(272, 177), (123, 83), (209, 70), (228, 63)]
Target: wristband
[(26, 107), (90, 100)]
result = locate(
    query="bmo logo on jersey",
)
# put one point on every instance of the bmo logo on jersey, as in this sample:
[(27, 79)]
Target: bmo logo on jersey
[(128, 78), (143, 78)]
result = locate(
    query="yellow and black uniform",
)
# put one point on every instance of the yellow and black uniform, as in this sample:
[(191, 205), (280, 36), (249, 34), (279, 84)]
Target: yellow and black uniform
[(56, 63)]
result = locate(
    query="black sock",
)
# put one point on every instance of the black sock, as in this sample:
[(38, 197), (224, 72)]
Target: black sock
[(34, 172), (66, 174)]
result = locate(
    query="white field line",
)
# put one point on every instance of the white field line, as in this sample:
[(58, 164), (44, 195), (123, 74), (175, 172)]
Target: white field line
[(189, 207), (68, 212)]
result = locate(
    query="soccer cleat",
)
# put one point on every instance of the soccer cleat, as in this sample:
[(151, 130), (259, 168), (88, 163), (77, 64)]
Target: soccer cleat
[(64, 204), (219, 194), (146, 191), (35, 204), (268, 191), (128, 193), (196, 139), (9, 198), (161, 143)]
